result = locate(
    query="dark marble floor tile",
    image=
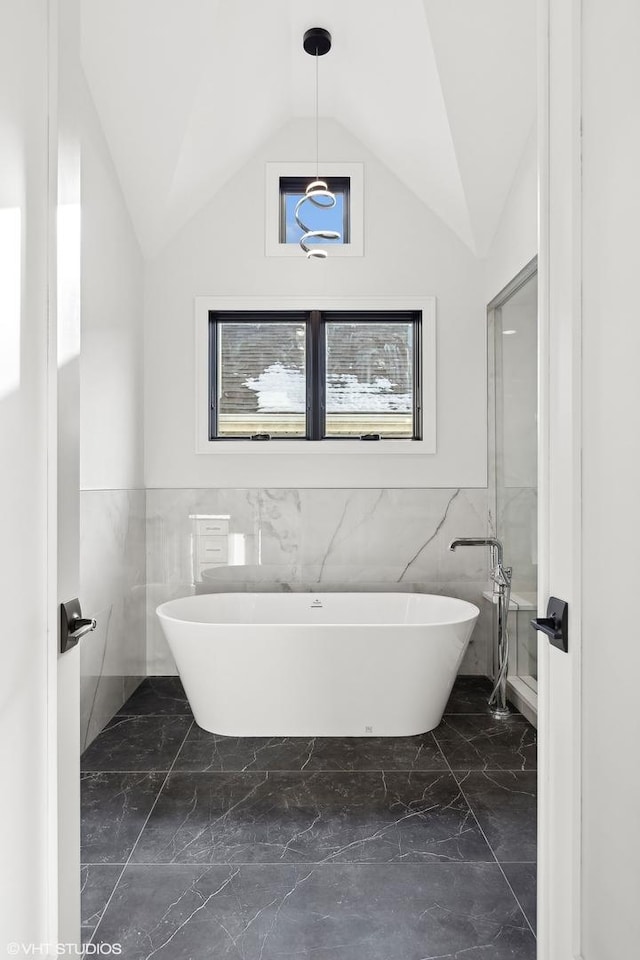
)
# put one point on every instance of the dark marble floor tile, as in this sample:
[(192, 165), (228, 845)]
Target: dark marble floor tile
[(114, 809), (523, 879), (203, 751), (96, 886), (484, 743), (157, 695), (469, 695), (310, 817), (505, 805), (137, 743), (348, 912)]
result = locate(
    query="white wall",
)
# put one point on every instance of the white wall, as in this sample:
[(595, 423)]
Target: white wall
[(516, 240), (23, 470), (408, 251), (111, 451), (112, 498), (611, 479)]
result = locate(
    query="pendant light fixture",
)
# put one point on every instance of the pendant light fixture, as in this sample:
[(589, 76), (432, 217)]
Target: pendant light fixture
[(316, 42)]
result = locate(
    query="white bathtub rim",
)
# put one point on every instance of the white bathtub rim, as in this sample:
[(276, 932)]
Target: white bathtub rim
[(468, 611)]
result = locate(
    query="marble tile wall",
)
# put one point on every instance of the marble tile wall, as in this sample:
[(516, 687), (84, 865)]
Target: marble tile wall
[(113, 589), (517, 520), (290, 539)]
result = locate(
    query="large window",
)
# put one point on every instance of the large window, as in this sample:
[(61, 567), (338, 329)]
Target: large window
[(315, 375)]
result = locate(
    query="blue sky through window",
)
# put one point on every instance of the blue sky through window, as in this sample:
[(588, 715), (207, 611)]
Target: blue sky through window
[(316, 218)]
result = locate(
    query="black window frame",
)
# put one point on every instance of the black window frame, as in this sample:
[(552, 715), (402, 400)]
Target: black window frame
[(315, 322), (298, 185)]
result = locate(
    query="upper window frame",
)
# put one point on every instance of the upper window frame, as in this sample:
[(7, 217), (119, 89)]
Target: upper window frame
[(275, 170), (332, 446), (315, 322)]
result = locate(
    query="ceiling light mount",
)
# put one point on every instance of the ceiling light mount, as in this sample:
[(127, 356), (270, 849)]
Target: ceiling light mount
[(317, 41)]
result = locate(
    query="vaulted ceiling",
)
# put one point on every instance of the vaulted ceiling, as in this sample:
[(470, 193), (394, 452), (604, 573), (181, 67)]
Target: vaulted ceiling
[(442, 91)]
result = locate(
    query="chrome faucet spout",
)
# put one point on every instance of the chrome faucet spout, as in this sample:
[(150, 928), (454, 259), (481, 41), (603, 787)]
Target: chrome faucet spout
[(491, 542)]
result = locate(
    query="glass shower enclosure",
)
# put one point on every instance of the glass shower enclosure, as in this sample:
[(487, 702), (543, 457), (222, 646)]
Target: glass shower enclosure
[(513, 465)]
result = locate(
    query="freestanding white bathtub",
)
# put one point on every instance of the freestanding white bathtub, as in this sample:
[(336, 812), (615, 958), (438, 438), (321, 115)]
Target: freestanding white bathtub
[(324, 664)]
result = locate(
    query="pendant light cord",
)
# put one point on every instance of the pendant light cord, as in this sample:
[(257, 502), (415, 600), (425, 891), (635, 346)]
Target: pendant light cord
[(317, 125), (317, 193)]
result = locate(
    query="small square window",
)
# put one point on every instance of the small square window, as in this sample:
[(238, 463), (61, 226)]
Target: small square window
[(335, 218), (286, 183)]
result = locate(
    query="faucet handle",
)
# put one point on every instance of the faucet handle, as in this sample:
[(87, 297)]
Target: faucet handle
[(501, 576)]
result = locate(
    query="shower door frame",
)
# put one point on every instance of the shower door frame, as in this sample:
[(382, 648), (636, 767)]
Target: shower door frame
[(522, 690)]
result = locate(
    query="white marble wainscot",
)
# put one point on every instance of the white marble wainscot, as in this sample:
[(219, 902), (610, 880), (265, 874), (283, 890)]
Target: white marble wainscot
[(311, 539), (171, 564), (112, 589), (399, 539)]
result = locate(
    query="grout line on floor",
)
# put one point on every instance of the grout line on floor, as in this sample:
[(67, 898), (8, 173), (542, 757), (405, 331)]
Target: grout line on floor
[(473, 814), (506, 879), (305, 863), (141, 716), (516, 898), (84, 773), (106, 906), (162, 713), (308, 772)]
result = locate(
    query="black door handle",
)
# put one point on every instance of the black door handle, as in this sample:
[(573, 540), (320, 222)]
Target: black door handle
[(556, 623), (81, 625), (548, 625), (73, 625)]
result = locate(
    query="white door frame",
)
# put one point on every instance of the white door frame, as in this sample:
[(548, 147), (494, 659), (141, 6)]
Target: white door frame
[(53, 831), (560, 541), (559, 33), (63, 479)]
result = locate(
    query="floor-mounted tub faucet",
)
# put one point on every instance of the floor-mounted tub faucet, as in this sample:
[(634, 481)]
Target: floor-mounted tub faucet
[(501, 578)]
